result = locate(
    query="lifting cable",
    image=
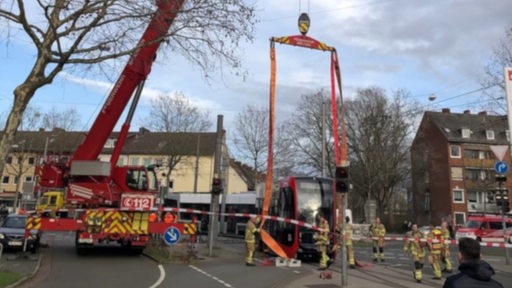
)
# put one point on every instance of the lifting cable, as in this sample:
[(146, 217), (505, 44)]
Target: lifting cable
[(340, 151)]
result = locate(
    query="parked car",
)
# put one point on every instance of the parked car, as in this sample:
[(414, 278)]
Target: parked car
[(12, 234), (480, 226)]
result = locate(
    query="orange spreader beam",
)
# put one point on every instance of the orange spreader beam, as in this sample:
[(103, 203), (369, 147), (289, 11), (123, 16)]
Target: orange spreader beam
[(340, 151)]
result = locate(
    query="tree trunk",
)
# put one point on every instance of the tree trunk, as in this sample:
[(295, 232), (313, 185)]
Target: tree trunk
[(22, 95)]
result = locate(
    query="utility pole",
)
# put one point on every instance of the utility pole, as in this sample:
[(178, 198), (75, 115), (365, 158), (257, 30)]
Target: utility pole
[(216, 189), (323, 139)]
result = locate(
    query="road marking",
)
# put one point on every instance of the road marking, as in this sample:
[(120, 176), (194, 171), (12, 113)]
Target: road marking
[(211, 276), (161, 278)]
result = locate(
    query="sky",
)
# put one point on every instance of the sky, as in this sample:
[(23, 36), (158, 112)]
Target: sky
[(436, 47)]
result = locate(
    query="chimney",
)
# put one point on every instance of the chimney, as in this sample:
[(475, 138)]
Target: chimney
[(482, 113), (446, 110), (467, 112)]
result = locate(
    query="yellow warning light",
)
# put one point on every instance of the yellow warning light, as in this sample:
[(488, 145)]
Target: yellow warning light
[(303, 23)]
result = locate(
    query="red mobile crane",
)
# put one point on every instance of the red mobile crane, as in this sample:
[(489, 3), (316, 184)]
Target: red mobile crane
[(113, 202)]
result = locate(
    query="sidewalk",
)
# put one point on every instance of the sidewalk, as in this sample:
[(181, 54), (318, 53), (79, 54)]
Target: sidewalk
[(25, 265)]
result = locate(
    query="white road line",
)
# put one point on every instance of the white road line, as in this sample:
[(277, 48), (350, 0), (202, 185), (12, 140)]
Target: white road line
[(211, 276), (161, 278)]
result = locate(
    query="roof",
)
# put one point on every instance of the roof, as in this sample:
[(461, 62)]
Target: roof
[(247, 174), (141, 142), (451, 125)]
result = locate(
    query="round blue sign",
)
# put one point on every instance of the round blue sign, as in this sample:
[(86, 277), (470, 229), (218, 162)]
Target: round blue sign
[(172, 236), (501, 167)]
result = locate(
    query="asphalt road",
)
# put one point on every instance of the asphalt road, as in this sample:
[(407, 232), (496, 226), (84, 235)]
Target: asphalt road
[(108, 267)]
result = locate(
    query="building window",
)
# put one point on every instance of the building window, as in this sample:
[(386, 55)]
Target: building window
[(472, 196), (458, 196), (460, 218), (456, 173), (5, 180), (147, 162), (28, 178), (489, 134), (31, 160), (507, 133), (120, 161), (111, 143), (483, 155), (134, 161), (455, 151), (466, 133), (8, 160), (427, 201)]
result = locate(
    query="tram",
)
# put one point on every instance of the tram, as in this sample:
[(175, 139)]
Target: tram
[(303, 199)]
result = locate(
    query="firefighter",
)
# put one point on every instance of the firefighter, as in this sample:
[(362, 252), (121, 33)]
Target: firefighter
[(435, 245), (153, 217), (348, 241), (416, 243), (251, 229), (168, 218), (378, 231), (445, 252), (322, 242)]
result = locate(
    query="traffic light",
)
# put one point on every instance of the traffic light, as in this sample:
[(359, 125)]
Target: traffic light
[(342, 181), (501, 178), (217, 186), (498, 197), (505, 203)]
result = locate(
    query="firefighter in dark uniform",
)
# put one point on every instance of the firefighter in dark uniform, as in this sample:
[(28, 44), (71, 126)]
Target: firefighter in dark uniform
[(416, 243)]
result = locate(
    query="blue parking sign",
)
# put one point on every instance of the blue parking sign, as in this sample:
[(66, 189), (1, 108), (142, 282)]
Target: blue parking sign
[(172, 236)]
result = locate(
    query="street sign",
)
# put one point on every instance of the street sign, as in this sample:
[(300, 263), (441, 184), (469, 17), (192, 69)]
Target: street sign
[(499, 151), (172, 236), (501, 167)]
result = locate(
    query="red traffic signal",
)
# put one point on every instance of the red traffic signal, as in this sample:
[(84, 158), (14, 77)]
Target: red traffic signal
[(217, 186), (342, 183)]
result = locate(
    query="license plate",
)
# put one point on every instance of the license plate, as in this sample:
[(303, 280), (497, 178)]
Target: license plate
[(15, 243)]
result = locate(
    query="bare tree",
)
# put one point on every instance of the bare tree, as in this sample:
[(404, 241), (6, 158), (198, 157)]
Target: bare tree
[(67, 33), (379, 132), (67, 119), (305, 127), (176, 114), (251, 137), (251, 141), (502, 57)]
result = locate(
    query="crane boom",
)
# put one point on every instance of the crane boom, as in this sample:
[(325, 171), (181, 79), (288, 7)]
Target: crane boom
[(135, 72)]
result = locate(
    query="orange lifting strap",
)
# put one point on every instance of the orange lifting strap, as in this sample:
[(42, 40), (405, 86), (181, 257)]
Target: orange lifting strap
[(340, 156)]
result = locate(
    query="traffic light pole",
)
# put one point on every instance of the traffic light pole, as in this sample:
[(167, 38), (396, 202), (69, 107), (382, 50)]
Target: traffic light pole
[(503, 222)]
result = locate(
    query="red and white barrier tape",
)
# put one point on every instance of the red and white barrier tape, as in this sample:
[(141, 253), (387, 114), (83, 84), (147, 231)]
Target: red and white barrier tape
[(266, 217)]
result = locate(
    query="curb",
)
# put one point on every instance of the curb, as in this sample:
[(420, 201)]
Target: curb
[(26, 278)]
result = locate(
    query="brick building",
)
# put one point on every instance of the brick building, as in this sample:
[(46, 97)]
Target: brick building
[(453, 170)]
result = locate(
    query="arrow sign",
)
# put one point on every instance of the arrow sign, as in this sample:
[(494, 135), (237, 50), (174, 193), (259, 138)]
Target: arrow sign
[(501, 167), (172, 236)]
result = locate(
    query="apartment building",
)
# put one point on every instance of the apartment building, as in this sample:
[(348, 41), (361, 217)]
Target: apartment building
[(453, 165), (191, 154)]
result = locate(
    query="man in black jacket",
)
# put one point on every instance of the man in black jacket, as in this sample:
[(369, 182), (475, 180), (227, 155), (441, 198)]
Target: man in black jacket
[(474, 272)]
